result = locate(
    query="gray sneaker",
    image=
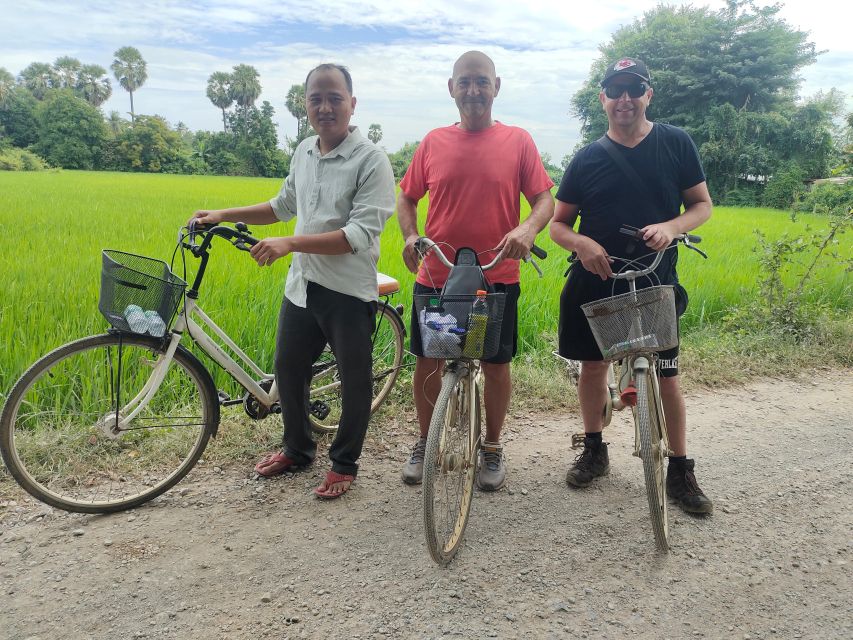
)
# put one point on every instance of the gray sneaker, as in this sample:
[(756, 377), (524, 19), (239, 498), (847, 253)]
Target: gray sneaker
[(491, 474), (413, 470)]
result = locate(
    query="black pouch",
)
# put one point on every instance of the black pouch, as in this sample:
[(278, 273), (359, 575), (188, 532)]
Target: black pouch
[(681, 299), (466, 277)]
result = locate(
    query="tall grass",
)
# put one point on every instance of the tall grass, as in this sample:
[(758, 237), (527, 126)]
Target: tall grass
[(53, 226)]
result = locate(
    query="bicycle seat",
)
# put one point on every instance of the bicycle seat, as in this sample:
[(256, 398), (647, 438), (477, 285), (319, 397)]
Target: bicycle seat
[(387, 285)]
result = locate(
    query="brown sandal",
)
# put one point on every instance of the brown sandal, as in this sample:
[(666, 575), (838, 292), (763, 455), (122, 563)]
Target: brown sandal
[(333, 477), (274, 464)]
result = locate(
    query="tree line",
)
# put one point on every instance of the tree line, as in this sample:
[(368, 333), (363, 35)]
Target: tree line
[(729, 77)]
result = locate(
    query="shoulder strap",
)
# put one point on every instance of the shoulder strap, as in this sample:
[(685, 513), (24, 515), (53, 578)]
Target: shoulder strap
[(633, 177)]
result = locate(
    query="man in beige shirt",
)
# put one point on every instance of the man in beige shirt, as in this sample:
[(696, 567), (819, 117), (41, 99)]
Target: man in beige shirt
[(341, 191)]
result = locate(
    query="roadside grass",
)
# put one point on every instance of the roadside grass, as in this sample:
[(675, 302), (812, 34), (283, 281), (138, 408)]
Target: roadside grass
[(53, 226)]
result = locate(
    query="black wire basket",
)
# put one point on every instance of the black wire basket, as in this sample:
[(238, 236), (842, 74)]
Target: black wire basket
[(450, 326), (128, 279)]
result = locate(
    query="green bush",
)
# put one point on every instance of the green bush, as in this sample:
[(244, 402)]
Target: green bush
[(824, 198), (14, 159), (784, 187), (743, 197)]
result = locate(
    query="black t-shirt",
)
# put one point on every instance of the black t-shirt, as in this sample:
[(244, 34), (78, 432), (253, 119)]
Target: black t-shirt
[(667, 162)]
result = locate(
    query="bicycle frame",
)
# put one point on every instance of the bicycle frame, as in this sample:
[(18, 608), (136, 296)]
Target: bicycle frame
[(186, 323)]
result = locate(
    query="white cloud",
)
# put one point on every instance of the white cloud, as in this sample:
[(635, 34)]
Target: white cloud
[(400, 53)]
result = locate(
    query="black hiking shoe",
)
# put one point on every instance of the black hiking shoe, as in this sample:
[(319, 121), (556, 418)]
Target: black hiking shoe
[(591, 463), (682, 487)]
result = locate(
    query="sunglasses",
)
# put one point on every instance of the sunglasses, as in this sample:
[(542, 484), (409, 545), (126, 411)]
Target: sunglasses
[(636, 90)]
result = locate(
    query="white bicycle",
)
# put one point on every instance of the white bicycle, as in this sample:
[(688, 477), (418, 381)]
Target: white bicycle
[(630, 329), (111, 421)]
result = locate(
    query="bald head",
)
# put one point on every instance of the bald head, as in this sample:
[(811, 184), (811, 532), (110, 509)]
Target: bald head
[(474, 86), (474, 58)]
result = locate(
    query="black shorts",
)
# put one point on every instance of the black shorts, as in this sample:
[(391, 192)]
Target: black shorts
[(575, 339), (509, 328)]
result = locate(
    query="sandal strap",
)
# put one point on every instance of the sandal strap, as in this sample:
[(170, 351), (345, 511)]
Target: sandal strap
[(333, 476)]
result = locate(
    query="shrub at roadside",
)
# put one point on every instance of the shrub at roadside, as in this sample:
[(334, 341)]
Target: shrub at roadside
[(824, 198), (781, 310)]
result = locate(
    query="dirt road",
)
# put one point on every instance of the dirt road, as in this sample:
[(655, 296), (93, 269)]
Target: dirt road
[(225, 556)]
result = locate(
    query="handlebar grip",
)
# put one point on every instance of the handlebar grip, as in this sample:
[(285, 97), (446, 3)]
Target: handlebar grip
[(539, 252), (692, 238)]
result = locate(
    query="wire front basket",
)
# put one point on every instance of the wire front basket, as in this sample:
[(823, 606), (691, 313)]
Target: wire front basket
[(133, 285), (452, 326), (637, 322)]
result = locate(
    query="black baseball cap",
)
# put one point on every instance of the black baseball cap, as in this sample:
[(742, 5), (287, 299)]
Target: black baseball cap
[(631, 66)]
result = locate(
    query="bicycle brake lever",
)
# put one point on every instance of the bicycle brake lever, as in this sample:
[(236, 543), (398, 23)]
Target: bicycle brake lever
[(530, 260), (697, 250)]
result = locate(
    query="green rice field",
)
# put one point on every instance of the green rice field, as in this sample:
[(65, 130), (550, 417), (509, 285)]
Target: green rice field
[(53, 226)]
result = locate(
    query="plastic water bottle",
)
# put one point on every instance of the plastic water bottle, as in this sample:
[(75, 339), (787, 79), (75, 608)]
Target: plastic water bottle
[(156, 326), (136, 318), (477, 320)]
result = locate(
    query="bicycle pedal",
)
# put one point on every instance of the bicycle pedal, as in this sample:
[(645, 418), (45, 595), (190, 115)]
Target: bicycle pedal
[(577, 440), (223, 397), (319, 409), (629, 396)]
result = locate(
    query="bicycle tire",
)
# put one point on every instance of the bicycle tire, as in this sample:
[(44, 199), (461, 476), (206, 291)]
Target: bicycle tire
[(388, 340), (55, 427), (450, 464), (652, 454)]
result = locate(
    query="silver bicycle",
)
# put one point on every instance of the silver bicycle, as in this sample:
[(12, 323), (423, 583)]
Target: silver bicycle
[(111, 421), (453, 443)]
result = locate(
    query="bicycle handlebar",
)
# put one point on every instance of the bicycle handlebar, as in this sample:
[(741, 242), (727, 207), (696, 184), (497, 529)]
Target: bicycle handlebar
[(238, 236), (424, 245), (687, 239)]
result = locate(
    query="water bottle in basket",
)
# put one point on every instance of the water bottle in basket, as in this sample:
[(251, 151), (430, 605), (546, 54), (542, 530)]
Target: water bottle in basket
[(156, 326), (478, 319), (136, 318)]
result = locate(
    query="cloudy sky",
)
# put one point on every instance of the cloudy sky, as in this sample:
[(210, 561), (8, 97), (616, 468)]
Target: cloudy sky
[(400, 53)]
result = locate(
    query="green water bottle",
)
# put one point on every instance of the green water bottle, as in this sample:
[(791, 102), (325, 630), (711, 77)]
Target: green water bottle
[(477, 320)]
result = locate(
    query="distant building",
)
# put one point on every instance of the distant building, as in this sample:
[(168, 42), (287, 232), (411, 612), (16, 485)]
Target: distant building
[(835, 180)]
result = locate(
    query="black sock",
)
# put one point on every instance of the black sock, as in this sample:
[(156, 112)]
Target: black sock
[(677, 461), (595, 438)]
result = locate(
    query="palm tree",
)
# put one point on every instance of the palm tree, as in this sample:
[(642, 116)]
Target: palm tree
[(116, 123), (93, 84), (67, 70), (130, 71), (38, 77), (374, 133), (7, 82), (295, 103), (219, 92), (245, 85)]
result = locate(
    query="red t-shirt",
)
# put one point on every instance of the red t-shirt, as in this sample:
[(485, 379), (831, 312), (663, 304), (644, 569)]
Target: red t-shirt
[(475, 180)]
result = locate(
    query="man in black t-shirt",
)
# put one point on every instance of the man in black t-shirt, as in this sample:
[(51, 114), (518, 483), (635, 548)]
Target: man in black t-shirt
[(598, 190)]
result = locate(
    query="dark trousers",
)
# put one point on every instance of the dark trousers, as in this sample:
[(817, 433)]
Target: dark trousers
[(346, 324)]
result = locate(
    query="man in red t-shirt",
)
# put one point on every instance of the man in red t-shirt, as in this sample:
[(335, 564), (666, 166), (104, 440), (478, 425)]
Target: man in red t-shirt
[(475, 172)]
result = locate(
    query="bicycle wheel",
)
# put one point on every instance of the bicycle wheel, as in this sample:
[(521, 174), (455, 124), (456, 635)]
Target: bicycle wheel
[(450, 463), (325, 397), (57, 430), (653, 453)]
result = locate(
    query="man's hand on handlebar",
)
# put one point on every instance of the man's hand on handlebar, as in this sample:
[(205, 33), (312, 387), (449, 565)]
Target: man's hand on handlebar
[(594, 258), (205, 217), (658, 236), (269, 250), (410, 254), (516, 244)]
